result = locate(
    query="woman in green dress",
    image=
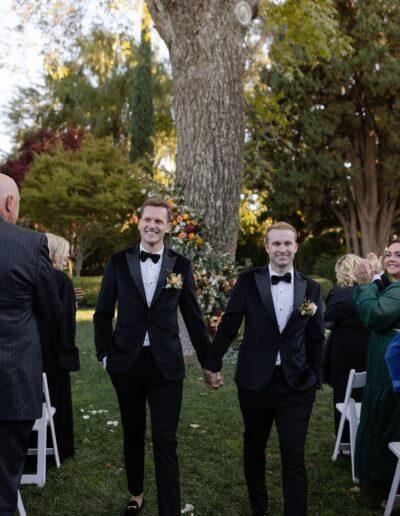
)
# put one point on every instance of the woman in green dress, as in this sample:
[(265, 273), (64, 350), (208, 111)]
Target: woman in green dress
[(380, 410)]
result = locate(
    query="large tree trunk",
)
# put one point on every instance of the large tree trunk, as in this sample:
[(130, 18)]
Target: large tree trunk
[(370, 213), (205, 43)]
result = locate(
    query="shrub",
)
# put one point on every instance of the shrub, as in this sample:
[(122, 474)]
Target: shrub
[(90, 286)]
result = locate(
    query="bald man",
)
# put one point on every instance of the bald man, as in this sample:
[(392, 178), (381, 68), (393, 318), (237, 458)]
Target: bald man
[(27, 291)]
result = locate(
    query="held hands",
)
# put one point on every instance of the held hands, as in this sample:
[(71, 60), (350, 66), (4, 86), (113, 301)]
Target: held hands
[(213, 380)]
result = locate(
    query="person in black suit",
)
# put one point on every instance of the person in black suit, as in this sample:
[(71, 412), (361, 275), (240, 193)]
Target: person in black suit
[(59, 353), (143, 355), (27, 292), (348, 341), (279, 365)]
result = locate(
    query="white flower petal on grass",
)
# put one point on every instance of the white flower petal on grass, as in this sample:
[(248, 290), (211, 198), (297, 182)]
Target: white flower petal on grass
[(94, 412), (112, 423), (86, 417), (194, 425), (188, 508), (82, 410)]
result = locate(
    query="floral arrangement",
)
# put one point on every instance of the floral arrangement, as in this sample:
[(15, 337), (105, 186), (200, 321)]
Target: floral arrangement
[(174, 281), (307, 308)]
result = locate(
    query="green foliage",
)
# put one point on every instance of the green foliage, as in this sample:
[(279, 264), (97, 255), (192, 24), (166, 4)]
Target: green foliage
[(87, 195), (318, 255), (336, 142), (91, 288), (142, 112), (89, 89)]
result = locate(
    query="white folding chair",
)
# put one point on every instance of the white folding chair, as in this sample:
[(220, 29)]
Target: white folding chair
[(395, 448), (20, 506), (350, 411), (40, 426)]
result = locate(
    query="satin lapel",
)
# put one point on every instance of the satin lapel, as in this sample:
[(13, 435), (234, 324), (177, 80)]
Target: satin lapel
[(133, 259), (299, 293), (167, 265), (264, 287)]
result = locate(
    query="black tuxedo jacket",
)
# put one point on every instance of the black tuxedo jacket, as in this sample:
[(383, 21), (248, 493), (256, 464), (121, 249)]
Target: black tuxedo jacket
[(300, 343), (122, 283), (28, 291)]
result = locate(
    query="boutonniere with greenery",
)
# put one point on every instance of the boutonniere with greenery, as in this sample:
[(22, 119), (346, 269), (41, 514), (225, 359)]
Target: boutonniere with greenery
[(307, 308), (174, 281)]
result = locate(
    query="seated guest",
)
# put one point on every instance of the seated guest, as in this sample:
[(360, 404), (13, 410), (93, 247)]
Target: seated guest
[(347, 345), (60, 356)]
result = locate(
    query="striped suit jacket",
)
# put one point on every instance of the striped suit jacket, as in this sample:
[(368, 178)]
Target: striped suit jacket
[(27, 291)]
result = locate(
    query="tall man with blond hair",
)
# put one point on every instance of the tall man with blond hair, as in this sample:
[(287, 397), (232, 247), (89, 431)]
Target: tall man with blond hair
[(27, 292), (279, 365)]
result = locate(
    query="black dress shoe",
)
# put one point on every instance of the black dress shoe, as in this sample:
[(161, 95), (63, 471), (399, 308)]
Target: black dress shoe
[(132, 508)]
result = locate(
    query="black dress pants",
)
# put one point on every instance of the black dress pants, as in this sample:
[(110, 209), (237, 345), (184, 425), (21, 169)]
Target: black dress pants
[(14, 439), (142, 383), (291, 411)]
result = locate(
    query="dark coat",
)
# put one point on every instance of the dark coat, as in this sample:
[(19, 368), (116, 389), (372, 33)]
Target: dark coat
[(27, 291), (122, 283), (300, 343)]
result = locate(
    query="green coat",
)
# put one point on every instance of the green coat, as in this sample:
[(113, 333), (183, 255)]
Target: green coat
[(380, 411)]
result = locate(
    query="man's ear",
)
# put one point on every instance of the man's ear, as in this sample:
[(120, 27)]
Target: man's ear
[(9, 202), (169, 226)]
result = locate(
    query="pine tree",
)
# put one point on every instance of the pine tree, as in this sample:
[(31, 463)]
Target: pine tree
[(142, 123)]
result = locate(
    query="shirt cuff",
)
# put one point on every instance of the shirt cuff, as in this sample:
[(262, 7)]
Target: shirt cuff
[(377, 276)]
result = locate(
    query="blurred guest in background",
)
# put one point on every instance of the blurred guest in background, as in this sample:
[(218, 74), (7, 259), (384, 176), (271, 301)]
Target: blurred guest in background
[(60, 356), (346, 347)]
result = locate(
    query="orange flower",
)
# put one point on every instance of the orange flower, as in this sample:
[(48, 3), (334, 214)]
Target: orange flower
[(179, 218), (174, 222), (195, 222), (182, 235), (191, 236)]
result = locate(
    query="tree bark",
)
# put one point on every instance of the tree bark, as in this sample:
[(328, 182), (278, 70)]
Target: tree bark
[(205, 43)]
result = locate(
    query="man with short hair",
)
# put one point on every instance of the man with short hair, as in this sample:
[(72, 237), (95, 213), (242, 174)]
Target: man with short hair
[(143, 355), (27, 291), (279, 365)]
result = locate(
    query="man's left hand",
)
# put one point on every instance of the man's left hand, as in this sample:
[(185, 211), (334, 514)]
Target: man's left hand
[(213, 380)]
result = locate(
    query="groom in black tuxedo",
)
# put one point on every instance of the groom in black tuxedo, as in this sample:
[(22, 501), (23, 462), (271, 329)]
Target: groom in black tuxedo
[(279, 365), (143, 355)]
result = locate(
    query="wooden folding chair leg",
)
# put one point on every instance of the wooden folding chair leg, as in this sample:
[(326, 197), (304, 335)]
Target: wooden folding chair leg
[(20, 506), (393, 491)]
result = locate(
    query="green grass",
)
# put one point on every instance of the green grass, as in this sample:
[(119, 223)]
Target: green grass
[(93, 483)]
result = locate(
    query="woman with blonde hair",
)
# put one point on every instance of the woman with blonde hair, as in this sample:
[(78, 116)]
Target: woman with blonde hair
[(347, 344), (59, 354)]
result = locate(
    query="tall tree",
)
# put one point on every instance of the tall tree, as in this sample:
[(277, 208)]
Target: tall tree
[(142, 112), (205, 42), (336, 157)]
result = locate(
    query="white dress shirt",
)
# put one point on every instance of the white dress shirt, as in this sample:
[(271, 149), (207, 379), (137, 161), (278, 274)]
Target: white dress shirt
[(282, 296), (150, 273)]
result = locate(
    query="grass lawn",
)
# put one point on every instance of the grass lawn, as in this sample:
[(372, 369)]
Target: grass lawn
[(210, 454)]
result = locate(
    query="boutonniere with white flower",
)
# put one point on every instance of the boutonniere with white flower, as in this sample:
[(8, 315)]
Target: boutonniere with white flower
[(307, 308), (174, 281)]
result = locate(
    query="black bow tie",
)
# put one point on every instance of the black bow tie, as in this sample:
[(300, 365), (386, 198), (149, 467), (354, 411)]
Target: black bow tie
[(276, 279), (154, 257)]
